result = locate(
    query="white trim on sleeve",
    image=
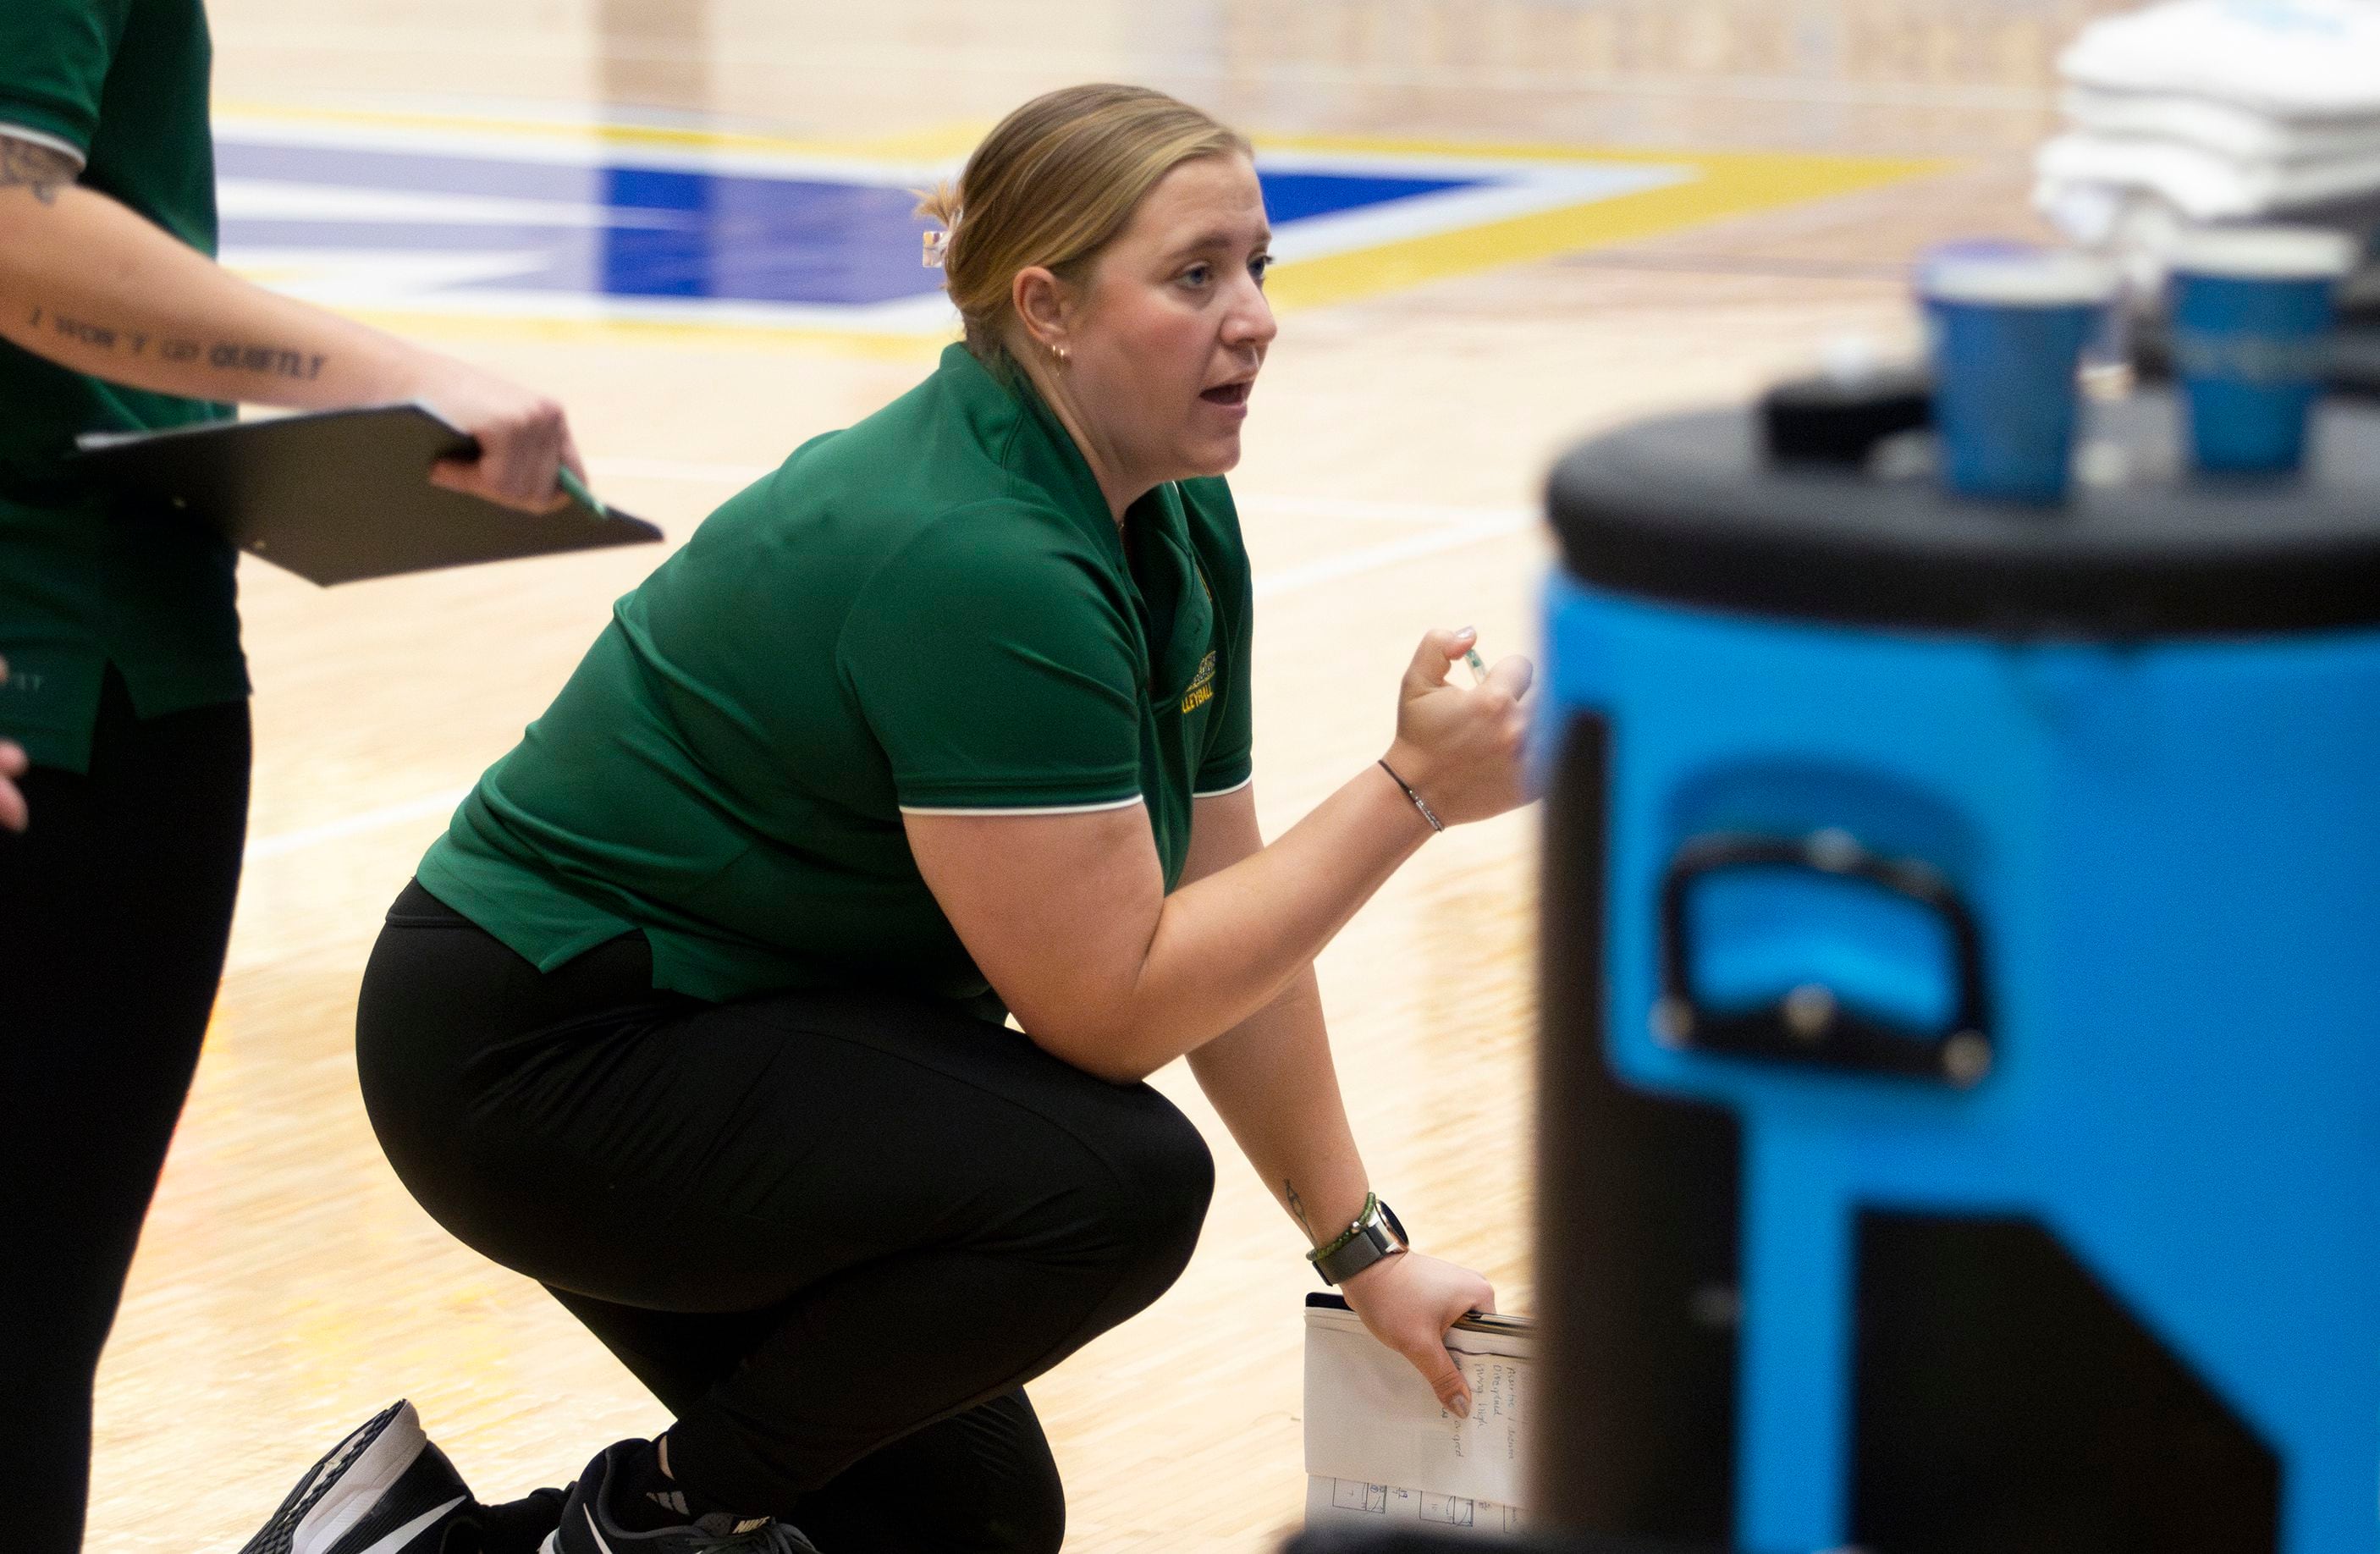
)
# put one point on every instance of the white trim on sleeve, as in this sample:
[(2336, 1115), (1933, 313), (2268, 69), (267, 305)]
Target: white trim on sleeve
[(45, 139), (1218, 793), (1043, 810)]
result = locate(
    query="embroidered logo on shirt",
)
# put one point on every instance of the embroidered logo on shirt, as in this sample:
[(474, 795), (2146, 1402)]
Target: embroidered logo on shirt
[(1202, 685)]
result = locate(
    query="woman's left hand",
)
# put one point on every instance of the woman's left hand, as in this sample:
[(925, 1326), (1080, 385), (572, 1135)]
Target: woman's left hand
[(1408, 1302), (12, 764)]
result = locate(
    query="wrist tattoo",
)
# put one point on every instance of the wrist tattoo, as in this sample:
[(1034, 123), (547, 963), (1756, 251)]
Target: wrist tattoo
[(44, 169), (1297, 1208)]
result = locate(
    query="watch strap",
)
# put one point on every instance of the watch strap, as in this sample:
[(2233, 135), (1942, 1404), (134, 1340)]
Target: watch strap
[(1374, 1234)]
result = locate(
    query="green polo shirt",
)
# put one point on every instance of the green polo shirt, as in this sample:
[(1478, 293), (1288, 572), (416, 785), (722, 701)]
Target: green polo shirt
[(121, 84), (930, 611)]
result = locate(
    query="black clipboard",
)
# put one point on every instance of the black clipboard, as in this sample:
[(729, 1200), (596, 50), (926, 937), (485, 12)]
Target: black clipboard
[(337, 496)]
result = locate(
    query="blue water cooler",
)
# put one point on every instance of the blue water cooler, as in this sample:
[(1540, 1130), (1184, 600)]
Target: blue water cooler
[(1960, 1070)]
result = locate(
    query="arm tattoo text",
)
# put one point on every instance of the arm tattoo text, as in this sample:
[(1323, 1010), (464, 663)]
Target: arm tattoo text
[(225, 355)]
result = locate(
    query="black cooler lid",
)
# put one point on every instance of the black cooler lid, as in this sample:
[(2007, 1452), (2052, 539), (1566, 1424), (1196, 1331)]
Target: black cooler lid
[(1690, 509)]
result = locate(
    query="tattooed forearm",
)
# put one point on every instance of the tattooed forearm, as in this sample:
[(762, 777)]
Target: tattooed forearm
[(1296, 1206), (227, 356), (44, 169)]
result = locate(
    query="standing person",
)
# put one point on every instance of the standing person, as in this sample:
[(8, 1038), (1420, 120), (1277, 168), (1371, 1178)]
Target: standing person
[(126, 686), (696, 1013)]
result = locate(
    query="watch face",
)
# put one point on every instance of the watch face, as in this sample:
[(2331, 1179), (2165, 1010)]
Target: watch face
[(1372, 1243)]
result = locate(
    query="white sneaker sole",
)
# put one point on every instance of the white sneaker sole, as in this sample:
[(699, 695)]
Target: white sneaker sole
[(366, 1478), (393, 1543), (552, 1544)]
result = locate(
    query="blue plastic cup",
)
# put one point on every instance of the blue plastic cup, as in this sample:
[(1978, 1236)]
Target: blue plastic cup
[(2253, 307), (2008, 329)]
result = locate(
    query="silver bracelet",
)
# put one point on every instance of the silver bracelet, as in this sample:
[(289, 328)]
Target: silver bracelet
[(1426, 812)]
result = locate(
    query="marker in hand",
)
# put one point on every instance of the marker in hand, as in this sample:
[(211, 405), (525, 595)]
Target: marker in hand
[(1478, 665)]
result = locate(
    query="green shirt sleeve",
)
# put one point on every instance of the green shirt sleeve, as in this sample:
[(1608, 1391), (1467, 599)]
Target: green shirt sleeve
[(1227, 759), (996, 667), (53, 62)]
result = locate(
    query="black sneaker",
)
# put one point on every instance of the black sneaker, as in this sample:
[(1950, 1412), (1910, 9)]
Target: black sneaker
[(588, 1527), (386, 1490)]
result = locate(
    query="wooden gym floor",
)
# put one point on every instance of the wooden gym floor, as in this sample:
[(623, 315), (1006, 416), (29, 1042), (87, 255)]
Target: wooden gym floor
[(287, 1287)]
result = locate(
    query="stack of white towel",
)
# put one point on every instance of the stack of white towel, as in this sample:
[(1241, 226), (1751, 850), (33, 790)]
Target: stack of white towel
[(2217, 110)]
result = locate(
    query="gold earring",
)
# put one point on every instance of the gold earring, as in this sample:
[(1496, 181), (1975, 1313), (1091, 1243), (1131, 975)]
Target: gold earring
[(1060, 352)]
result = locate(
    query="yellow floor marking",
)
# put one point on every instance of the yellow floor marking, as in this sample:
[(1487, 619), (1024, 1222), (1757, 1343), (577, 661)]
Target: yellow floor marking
[(1726, 184)]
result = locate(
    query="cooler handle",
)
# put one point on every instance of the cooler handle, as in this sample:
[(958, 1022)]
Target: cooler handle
[(1810, 1025)]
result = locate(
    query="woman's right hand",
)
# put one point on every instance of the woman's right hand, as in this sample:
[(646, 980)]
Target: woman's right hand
[(1461, 747), (523, 436), (1409, 1302)]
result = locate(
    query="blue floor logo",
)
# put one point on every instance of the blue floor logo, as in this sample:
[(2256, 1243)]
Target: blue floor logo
[(547, 225)]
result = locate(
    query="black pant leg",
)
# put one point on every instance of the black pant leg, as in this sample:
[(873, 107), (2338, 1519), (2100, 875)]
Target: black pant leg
[(115, 908), (981, 1482), (947, 1210), (678, 1356), (931, 1210)]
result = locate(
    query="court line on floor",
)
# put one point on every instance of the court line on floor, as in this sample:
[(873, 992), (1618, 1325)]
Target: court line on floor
[(1480, 524), (1734, 264), (273, 847), (1390, 553)]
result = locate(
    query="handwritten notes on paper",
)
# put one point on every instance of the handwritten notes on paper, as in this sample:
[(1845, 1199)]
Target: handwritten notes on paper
[(1379, 1448), (1344, 1499)]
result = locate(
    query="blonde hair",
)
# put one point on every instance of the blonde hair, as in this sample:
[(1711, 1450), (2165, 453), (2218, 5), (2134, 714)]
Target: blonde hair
[(1051, 185)]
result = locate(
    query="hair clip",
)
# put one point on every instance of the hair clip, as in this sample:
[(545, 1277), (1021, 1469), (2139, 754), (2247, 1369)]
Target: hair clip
[(938, 246)]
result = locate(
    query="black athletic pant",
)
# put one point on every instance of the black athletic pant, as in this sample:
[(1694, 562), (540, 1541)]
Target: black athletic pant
[(114, 910), (833, 1232)]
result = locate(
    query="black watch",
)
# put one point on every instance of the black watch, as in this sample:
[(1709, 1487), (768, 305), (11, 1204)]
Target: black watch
[(1375, 1236)]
